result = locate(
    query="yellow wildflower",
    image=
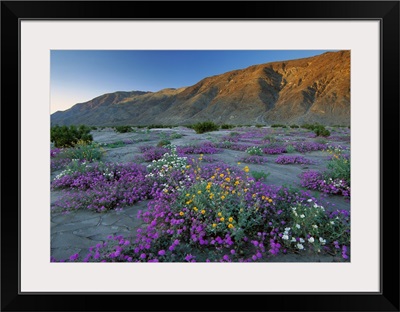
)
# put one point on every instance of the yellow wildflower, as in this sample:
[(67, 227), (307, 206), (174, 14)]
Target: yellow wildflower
[(214, 225), (195, 209), (230, 219), (228, 179), (233, 192), (203, 211), (222, 219), (230, 226), (221, 175), (222, 197), (219, 214), (198, 192), (181, 213)]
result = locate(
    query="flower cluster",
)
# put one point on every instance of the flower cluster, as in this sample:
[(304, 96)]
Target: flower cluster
[(315, 180), (205, 148), (254, 151), (101, 187), (254, 160), (285, 160), (151, 153), (274, 150), (306, 147), (312, 228), (58, 159)]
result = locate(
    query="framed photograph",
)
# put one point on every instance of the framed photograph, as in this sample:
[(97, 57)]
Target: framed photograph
[(181, 149)]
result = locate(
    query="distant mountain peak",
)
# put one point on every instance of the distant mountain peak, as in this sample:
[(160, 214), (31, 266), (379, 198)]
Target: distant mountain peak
[(306, 90)]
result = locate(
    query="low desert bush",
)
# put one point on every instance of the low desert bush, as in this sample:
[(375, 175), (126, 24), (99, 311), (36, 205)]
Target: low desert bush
[(123, 129), (205, 126), (84, 151), (63, 136), (227, 126)]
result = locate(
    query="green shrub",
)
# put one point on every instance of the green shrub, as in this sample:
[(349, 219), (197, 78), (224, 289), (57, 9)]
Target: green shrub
[(294, 126), (83, 151), (278, 126), (115, 144), (227, 126), (338, 168), (308, 126), (163, 142), (123, 129), (290, 149), (259, 175), (225, 144), (270, 138), (259, 125), (321, 131), (175, 136), (205, 126), (155, 126), (63, 136)]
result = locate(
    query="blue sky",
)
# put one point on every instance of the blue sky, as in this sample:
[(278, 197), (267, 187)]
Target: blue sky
[(80, 75)]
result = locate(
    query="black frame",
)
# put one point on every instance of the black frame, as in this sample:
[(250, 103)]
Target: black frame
[(386, 11)]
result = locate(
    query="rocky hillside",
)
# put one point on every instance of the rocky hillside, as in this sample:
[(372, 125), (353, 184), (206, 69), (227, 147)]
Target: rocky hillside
[(315, 89)]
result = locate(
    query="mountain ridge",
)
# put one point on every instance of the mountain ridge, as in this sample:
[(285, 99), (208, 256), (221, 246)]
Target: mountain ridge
[(306, 90)]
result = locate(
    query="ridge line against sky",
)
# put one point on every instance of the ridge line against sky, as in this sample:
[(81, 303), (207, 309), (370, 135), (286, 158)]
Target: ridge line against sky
[(78, 76)]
